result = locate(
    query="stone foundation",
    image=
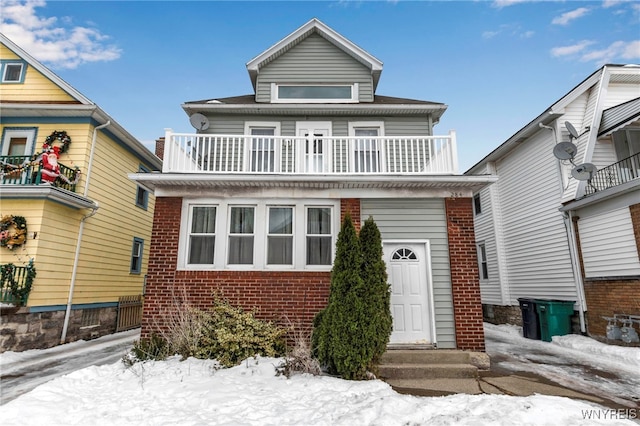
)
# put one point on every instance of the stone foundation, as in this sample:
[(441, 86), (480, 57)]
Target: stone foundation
[(22, 330), (497, 314)]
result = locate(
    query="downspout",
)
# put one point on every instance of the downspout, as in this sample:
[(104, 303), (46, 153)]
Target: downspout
[(573, 253), (72, 285)]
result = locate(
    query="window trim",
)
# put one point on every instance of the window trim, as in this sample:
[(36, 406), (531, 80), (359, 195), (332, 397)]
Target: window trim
[(481, 249), (260, 233), (4, 64), (229, 234), (355, 94), (268, 234), (137, 242), (477, 204), (275, 125), (380, 148), (145, 202), (8, 133)]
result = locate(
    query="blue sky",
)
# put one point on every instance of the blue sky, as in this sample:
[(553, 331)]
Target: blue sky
[(496, 64)]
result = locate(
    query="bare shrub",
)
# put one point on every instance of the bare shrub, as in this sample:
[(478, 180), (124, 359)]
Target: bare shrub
[(299, 358)]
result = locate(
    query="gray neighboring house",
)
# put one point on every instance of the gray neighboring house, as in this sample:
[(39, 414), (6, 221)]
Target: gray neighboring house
[(555, 228), (251, 203)]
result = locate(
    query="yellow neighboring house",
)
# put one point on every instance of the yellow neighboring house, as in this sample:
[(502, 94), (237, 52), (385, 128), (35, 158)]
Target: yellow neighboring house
[(75, 231)]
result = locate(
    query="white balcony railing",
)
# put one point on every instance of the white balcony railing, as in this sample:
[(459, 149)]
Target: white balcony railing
[(208, 153)]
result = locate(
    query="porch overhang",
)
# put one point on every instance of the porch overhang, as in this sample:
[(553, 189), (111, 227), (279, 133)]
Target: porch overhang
[(153, 181), (47, 192)]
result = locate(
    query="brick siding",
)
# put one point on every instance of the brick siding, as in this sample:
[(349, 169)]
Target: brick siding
[(609, 297), (280, 296), (294, 296), (614, 296), (351, 206), (465, 281)]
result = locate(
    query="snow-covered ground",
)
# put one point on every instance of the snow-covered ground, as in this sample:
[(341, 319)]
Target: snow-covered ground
[(193, 392), (577, 362), (20, 372)]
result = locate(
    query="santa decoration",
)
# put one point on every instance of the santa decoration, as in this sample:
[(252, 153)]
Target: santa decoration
[(50, 167)]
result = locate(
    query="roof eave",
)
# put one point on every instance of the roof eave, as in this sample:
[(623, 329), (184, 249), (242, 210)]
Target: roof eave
[(79, 110)]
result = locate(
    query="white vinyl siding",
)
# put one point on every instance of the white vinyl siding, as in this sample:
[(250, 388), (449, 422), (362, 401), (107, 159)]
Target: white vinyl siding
[(535, 240), (491, 290), (315, 61), (411, 219), (619, 93), (608, 245)]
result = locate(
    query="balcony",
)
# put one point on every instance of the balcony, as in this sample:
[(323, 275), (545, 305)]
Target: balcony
[(615, 174), (21, 170), (316, 155)]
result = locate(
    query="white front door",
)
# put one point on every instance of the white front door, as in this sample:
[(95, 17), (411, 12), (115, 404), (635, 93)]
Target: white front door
[(315, 148), (411, 298)]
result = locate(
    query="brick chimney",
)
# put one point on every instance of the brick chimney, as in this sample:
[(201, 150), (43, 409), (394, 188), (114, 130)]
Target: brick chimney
[(160, 148)]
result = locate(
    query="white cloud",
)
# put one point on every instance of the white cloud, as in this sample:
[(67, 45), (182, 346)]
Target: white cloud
[(506, 3), (567, 17), (619, 51), (54, 41), (571, 49), (490, 34)]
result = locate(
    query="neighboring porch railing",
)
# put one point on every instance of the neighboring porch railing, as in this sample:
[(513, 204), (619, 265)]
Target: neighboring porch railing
[(20, 170), (16, 283), (615, 174), (205, 153)]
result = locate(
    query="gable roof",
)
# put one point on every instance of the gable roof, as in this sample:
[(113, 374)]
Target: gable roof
[(314, 26), (45, 71), (624, 74), (84, 108)]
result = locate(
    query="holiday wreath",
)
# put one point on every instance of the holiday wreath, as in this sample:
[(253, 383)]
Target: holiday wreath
[(61, 137), (13, 231)]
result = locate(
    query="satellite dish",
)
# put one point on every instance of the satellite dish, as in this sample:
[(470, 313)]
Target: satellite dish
[(565, 151), (572, 130), (583, 171), (199, 121)]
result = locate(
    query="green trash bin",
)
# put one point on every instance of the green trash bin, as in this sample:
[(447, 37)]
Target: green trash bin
[(555, 317)]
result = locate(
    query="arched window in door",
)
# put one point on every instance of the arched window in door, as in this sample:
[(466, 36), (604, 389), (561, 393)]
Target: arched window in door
[(404, 254)]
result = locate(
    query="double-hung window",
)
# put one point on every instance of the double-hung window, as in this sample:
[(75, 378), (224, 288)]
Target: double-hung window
[(482, 262), (241, 235), (202, 235), (280, 236), (136, 256), (366, 146), (319, 239), (270, 234), (142, 195)]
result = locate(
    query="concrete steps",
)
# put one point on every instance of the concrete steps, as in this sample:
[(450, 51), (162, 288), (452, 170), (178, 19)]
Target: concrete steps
[(431, 372)]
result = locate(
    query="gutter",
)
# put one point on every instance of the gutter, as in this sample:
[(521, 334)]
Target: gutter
[(76, 259), (573, 253)]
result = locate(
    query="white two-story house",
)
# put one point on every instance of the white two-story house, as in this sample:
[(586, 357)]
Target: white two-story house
[(563, 220)]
